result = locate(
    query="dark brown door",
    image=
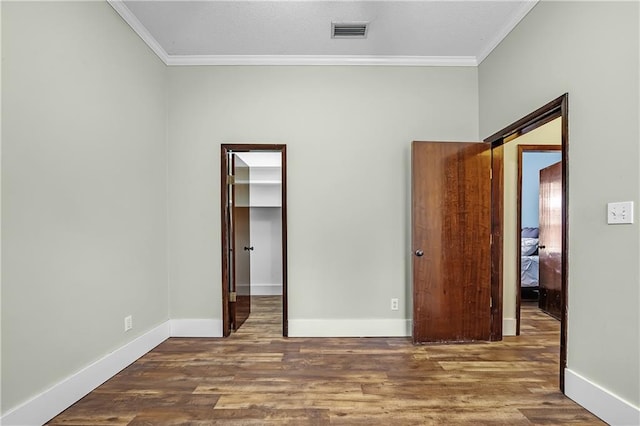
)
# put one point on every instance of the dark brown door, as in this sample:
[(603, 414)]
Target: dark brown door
[(240, 308), (451, 238), (550, 240)]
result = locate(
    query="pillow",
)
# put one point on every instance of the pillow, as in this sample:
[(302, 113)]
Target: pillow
[(529, 233), (528, 246)]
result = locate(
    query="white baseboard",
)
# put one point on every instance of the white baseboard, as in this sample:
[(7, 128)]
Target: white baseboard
[(609, 407), (349, 328), (509, 326), (266, 289), (56, 399), (196, 328)]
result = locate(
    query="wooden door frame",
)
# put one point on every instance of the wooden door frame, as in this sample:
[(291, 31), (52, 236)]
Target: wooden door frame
[(558, 107), (225, 149), (521, 150)]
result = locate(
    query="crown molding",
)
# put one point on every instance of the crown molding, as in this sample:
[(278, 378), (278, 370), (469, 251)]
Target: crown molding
[(412, 61), (195, 60), (141, 30), (524, 9), (336, 60)]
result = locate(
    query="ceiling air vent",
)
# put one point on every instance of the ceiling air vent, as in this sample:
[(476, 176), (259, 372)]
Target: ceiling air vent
[(349, 29)]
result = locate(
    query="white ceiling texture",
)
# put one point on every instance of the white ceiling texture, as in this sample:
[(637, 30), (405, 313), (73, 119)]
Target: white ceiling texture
[(247, 32)]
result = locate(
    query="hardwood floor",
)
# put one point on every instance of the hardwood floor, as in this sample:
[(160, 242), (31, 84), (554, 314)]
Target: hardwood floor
[(256, 377)]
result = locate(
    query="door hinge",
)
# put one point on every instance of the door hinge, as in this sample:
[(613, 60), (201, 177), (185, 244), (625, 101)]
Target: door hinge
[(231, 179), (491, 302), (232, 296), (491, 174)]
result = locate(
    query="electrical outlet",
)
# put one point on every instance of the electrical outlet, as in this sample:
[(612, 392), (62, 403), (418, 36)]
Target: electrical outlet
[(394, 304), (128, 323), (621, 212)]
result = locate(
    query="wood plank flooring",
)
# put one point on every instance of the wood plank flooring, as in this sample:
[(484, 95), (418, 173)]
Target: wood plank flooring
[(256, 377)]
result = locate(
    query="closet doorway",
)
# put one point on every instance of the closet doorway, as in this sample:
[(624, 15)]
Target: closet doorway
[(254, 219)]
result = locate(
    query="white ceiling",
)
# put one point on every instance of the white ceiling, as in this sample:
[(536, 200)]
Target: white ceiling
[(435, 32)]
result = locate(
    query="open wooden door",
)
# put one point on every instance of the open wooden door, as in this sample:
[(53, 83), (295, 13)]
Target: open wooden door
[(550, 240), (451, 238), (240, 300)]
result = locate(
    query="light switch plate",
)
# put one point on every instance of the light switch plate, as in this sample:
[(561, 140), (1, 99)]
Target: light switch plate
[(621, 212)]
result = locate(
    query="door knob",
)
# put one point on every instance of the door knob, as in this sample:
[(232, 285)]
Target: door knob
[(419, 253), (248, 248)]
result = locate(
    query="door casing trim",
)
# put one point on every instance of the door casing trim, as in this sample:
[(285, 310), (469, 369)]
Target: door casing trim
[(558, 107)]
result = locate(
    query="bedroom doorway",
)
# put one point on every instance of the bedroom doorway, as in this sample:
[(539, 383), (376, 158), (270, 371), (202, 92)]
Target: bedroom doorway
[(253, 233), (532, 159), (500, 141)]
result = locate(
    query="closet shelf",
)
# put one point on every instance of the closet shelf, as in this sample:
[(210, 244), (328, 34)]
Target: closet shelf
[(258, 182)]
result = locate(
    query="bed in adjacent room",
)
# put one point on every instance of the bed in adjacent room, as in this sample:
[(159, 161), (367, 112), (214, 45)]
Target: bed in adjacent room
[(529, 261)]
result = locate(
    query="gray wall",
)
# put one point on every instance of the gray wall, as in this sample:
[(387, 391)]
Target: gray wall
[(83, 190), (590, 50), (348, 131)]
